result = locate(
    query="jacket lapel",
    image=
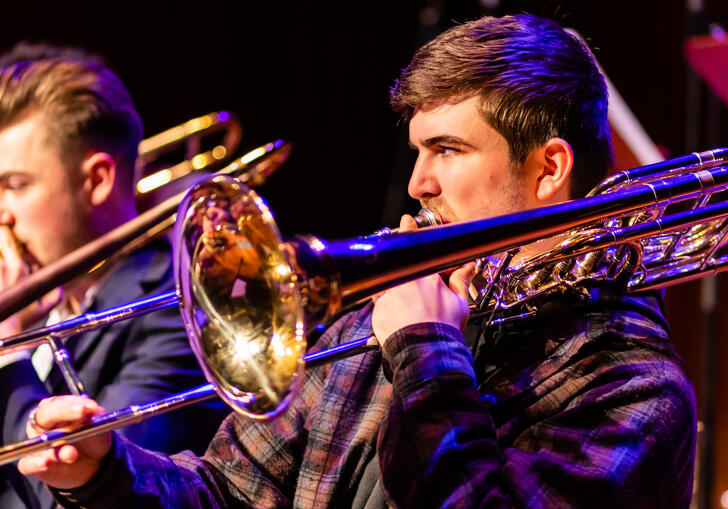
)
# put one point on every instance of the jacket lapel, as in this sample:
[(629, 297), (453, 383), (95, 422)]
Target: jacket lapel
[(122, 286)]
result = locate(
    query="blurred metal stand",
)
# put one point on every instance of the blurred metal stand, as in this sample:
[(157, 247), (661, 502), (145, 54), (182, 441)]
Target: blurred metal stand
[(704, 54)]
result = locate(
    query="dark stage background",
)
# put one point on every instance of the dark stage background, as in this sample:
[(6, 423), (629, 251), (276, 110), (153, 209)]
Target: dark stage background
[(318, 75)]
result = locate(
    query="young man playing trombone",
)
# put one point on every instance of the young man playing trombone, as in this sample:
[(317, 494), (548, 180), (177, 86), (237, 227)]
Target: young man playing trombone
[(586, 406), (68, 143)]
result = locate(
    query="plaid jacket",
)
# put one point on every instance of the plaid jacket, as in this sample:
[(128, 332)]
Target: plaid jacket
[(587, 408)]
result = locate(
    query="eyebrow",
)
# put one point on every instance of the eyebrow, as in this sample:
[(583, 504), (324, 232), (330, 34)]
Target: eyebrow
[(443, 139), (10, 172), (6, 174)]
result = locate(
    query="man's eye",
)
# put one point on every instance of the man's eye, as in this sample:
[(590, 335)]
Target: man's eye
[(447, 150), (15, 183)]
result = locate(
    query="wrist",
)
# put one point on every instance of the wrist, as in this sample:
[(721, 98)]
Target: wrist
[(425, 351)]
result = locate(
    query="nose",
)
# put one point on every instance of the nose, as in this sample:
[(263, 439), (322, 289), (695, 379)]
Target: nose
[(423, 183)]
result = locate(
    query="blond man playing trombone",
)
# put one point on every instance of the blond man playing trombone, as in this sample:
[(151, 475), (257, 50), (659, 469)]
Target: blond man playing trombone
[(68, 143)]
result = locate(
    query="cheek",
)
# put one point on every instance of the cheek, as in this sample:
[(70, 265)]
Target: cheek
[(471, 192), (32, 211), (48, 225), (478, 191)]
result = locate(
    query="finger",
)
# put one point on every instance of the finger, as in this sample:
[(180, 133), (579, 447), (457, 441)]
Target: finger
[(51, 300), (34, 464), (29, 258), (66, 454), (461, 278), (9, 246), (65, 411), (40, 463), (376, 296), (407, 223)]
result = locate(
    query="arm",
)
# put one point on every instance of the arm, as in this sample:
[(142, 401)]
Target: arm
[(92, 473), (595, 432), (624, 435), (143, 362), (22, 391), (246, 460), (21, 387)]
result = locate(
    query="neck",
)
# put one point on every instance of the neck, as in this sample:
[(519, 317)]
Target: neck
[(75, 291), (110, 215)]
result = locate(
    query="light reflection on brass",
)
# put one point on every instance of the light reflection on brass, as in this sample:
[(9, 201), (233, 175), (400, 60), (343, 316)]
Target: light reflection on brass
[(187, 136), (249, 327)]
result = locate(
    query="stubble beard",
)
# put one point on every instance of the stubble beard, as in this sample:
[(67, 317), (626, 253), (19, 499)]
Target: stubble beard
[(508, 197)]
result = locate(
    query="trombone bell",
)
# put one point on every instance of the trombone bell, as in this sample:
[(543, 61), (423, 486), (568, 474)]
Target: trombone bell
[(240, 302)]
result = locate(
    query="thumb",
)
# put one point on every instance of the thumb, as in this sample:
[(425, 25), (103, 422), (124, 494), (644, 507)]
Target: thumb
[(461, 278), (407, 223)]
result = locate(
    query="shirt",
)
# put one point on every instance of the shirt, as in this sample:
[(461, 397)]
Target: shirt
[(42, 358), (591, 408), (586, 407)]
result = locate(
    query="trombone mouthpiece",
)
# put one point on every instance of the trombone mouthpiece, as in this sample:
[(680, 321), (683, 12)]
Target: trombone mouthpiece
[(425, 217)]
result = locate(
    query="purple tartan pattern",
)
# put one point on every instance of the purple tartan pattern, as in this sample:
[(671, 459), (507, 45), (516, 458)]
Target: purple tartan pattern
[(595, 411)]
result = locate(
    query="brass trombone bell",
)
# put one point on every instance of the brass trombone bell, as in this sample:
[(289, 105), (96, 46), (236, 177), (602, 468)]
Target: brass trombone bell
[(240, 299)]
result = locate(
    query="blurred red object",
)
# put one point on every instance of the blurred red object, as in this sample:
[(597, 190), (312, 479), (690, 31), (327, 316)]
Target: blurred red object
[(708, 55)]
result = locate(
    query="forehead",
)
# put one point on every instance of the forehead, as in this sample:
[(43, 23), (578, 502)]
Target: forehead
[(24, 143), (459, 119)]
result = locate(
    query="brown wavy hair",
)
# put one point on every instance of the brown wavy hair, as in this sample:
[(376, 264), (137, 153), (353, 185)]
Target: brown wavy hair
[(535, 81)]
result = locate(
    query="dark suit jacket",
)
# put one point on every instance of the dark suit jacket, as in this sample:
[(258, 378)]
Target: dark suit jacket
[(130, 362)]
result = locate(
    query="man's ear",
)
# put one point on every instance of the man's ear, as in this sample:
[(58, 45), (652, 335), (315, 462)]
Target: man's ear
[(99, 174), (554, 162)]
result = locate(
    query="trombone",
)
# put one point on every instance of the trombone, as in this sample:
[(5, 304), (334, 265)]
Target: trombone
[(248, 298), (253, 168)]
